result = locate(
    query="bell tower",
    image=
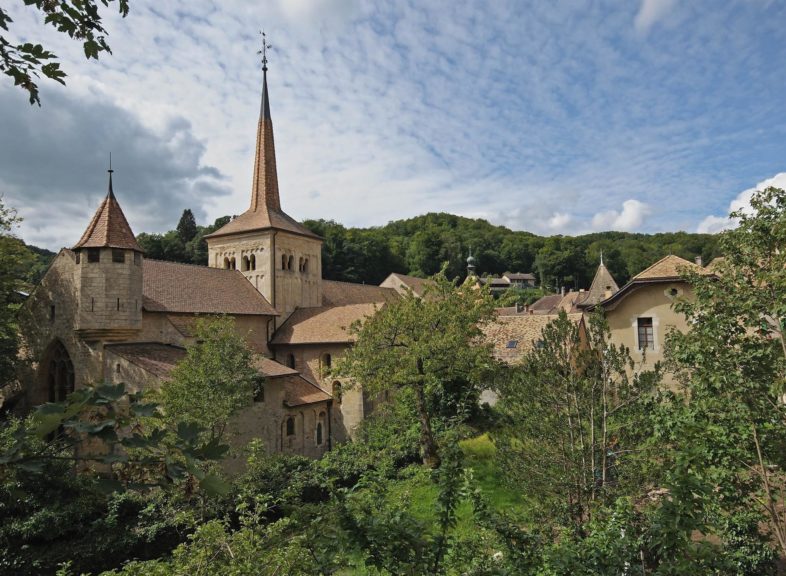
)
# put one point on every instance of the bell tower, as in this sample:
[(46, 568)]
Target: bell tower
[(278, 255)]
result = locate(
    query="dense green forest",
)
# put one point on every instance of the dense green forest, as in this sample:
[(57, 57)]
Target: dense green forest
[(419, 246)]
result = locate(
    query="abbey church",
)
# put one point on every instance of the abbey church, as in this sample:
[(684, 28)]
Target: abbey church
[(105, 313)]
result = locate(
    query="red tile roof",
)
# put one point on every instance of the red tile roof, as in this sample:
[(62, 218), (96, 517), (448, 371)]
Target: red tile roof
[(172, 287), (342, 304), (158, 359), (326, 324), (300, 391), (109, 227)]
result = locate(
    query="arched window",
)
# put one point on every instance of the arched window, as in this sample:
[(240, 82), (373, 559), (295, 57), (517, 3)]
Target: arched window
[(259, 390), (60, 375), (232, 263), (291, 262), (252, 262), (290, 426), (319, 434), (327, 361), (291, 360), (283, 261), (305, 266), (226, 262), (337, 393), (300, 264), (244, 263)]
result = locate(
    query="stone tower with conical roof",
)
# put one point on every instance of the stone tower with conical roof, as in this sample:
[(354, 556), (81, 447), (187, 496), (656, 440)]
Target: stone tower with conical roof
[(108, 275), (277, 254)]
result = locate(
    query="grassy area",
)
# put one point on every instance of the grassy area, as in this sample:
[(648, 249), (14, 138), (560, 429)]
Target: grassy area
[(479, 453), (421, 492)]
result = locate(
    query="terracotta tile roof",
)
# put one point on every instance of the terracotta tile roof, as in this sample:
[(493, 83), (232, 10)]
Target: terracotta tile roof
[(172, 287), (546, 304), (263, 218), (404, 282), (513, 337), (341, 293), (668, 267), (272, 369), (342, 304), (158, 359), (300, 391), (109, 227), (570, 302), (326, 324)]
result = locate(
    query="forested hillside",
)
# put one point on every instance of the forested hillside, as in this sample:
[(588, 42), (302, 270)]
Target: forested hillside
[(420, 245)]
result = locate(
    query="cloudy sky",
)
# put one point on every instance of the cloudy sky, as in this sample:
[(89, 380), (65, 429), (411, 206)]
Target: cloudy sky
[(553, 117)]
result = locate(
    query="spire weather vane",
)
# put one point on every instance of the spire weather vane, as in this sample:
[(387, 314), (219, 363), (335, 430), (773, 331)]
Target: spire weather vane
[(263, 51)]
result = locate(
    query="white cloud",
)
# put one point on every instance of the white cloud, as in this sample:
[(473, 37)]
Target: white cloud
[(559, 221), (630, 218), (650, 12), (714, 224)]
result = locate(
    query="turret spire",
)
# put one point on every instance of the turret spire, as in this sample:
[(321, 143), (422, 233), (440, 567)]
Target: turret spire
[(111, 192), (264, 193)]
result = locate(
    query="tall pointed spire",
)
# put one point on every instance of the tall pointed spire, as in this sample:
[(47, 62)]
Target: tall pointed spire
[(264, 193), (109, 227)]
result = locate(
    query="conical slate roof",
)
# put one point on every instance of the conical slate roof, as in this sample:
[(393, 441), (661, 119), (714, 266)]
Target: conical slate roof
[(109, 227), (603, 286), (265, 210)]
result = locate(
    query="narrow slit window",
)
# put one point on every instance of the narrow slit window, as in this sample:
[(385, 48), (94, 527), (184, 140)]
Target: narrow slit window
[(290, 426)]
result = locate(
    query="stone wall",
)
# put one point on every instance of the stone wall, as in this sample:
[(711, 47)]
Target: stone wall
[(350, 405)]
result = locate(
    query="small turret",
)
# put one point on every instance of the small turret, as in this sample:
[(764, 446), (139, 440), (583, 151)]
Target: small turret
[(470, 264), (109, 274)]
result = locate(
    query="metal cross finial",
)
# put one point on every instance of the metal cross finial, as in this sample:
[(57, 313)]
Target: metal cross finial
[(110, 163), (265, 47)]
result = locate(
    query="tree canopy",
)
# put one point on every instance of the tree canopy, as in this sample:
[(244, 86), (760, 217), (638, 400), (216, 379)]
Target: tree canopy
[(81, 20)]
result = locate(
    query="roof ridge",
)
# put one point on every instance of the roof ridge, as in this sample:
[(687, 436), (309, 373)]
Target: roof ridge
[(208, 267), (651, 266)]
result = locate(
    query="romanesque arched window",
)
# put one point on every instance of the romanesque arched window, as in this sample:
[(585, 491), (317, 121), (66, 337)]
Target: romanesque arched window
[(226, 262), (305, 266), (290, 262), (60, 373), (300, 264), (252, 262), (232, 263), (244, 263), (320, 427), (290, 426), (291, 360), (327, 361), (283, 261)]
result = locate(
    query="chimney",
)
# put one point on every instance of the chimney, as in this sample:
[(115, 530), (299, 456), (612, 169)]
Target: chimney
[(697, 260)]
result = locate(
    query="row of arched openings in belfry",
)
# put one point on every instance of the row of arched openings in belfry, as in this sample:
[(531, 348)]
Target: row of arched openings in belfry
[(288, 263), (248, 262)]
